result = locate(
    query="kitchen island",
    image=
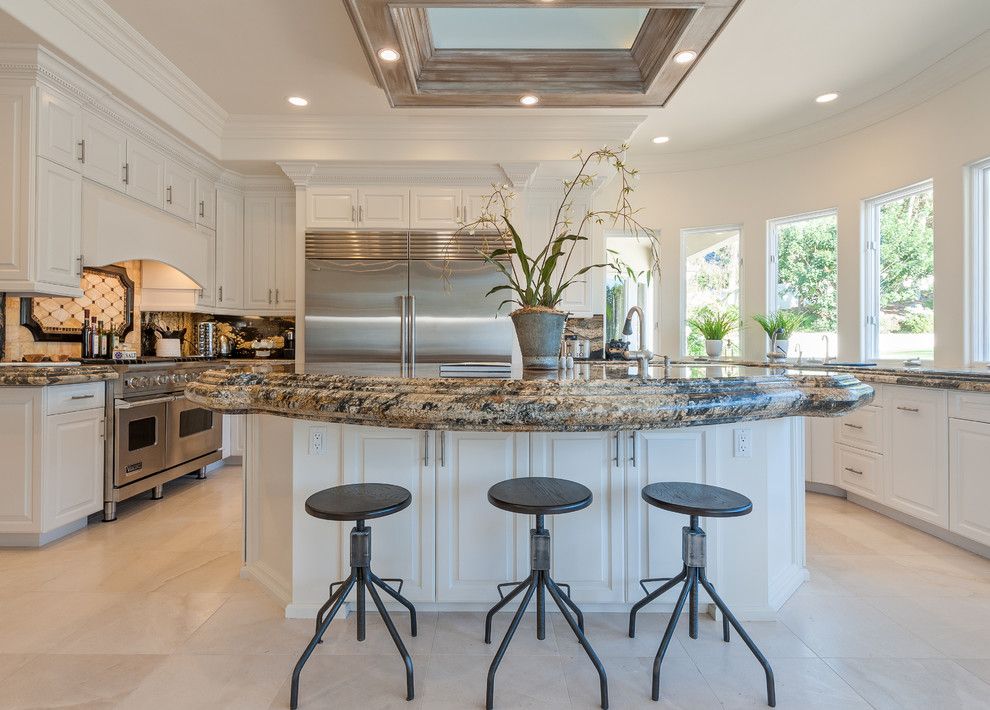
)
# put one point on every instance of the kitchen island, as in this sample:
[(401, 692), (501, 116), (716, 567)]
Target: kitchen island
[(449, 440)]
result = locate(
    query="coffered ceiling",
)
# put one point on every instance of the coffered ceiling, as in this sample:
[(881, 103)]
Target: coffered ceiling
[(571, 53)]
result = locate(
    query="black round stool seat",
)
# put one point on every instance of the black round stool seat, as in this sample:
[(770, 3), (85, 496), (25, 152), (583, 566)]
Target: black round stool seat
[(539, 495), (697, 499), (358, 501)]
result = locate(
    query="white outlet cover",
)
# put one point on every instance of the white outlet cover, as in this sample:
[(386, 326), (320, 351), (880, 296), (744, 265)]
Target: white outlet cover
[(742, 443)]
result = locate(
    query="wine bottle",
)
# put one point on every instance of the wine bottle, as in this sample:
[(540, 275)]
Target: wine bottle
[(87, 344), (94, 346)]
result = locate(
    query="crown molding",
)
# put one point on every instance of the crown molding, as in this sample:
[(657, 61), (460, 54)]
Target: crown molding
[(956, 67), (426, 173)]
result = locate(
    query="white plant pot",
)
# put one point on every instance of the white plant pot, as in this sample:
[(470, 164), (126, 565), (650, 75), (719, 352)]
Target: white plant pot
[(168, 347), (714, 347), (782, 348)]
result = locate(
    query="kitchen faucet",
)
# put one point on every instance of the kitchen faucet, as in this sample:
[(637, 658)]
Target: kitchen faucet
[(827, 358), (642, 355)]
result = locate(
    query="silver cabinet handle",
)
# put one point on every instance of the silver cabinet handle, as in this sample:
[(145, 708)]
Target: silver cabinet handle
[(852, 470), (80, 260), (426, 448), (82, 151), (269, 296), (220, 294), (360, 213), (127, 174), (412, 335), (276, 295), (443, 449), (852, 426), (908, 409), (616, 457), (82, 396), (632, 437), (202, 208), (354, 214), (404, 332), (168, 194)]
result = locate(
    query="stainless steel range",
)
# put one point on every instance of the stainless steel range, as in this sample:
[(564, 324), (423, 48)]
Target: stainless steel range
[(157, 434)]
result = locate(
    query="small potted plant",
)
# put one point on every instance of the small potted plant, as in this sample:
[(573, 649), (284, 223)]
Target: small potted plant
[(714, 325), (783, 324)]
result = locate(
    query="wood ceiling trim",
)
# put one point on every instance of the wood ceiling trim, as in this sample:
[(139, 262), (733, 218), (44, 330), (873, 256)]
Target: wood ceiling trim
[(644, 75)]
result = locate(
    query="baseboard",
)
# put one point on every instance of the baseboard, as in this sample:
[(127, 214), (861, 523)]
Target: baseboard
[(824, 488), (784, 584), (948, 536), (42, 539), (260, 573)]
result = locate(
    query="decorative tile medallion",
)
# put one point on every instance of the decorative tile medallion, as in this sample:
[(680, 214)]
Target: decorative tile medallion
[(108, 294)]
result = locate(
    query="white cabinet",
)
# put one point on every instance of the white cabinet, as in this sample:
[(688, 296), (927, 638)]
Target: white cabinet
[(180, 191), (74, 447), (59, 225), (285, 253), (206, 296), (234, 426), (144, 173), (861, 428), (404, 542), (206, 203), (859, 471), (435, 208), (332, 208), (819, 459), (60, 129), (592, 459), (259, 251), (20, 489), (230, 249), (383, 208), (478, 545), (475, 202), (916, 460), (104, 151), (969, 479)]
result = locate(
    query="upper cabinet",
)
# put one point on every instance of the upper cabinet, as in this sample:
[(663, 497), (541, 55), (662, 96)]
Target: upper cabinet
[(383, 208), (206, 203), (285, 252), (230, 249), (60, 129), (144, 173), (436, 208), (269, 253), (180, 191), (104, 152), (59, 225), (332, 208), (393, 208)]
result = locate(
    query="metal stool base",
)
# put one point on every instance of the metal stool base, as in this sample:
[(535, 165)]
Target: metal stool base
[(361, 579), (539, 583), (693, 574)]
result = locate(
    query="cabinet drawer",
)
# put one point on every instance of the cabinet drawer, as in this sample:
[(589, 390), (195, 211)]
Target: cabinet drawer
[(75, 398), (858, 471), (974, 406), (862, 427)]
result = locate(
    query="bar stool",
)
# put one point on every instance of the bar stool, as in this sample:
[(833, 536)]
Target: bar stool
[(539, 496), (694, 500), (359, 502)]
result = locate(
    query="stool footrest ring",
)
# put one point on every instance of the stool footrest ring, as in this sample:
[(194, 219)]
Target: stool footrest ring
[(650, 580), (501, 595)]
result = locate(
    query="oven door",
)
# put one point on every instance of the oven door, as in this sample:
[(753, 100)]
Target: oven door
[(139, 441), (193, 431)]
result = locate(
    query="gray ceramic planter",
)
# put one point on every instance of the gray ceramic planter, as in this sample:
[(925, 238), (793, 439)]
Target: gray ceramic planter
[(539, 334)]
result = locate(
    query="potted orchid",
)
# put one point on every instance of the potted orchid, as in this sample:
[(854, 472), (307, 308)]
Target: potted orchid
[(536, 277)]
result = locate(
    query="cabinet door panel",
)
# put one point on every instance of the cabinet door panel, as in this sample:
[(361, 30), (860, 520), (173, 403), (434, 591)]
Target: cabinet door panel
[(60, 130), (969, 482), (588, 546), (476, 542), (916, 462), (403, 543), (106, 152), (145, 173), (59, 224), (475, 202), (259, 252), (435, 208), (207, 294), (285, 252), (331, 208), (230, 249), (19, 503), (74, 467), (383, 208), (180, 192), (206, 203)]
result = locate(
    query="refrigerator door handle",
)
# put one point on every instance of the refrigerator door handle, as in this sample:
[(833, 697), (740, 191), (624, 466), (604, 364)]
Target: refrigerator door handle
[(412, 336), (404, 332)]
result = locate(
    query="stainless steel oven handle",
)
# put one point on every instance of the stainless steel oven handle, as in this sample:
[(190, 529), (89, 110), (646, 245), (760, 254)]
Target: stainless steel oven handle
[(123, 404)]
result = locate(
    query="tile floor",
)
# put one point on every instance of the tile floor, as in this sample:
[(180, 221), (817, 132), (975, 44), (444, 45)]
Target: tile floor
[(150, 613)]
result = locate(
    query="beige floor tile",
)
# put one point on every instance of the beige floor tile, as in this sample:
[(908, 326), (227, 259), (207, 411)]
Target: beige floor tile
[(250, 625), (11, 662), (35, 622), (801, 684), (87, 681), (459, 682), (630, 683), (203, 682), (353, 682), (909, 684), (142, 623), (464, 633), (341, 638), (980, 667), (773, 638), (958, 628), (848, 627), (608, 634)]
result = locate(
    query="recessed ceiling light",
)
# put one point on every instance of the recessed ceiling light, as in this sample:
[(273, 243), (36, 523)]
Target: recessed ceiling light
[(298, 101), (388, 55), (661, 139), (685, 57), (827, 98), (529, 100)]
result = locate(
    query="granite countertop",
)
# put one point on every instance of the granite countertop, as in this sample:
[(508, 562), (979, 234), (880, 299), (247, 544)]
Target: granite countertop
[(589, 398), (44, 375)]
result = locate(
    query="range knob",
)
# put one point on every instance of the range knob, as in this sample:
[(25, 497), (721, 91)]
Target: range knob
[(175, 378)]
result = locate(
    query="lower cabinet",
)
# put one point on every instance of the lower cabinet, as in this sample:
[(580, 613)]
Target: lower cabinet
[(74, 450), (916, 461), (233, 435), (969, 479)]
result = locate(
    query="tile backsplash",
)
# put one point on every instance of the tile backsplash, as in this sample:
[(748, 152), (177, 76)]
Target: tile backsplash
[(241, 329)]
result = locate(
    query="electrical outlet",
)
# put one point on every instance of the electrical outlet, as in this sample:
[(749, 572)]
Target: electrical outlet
[(742, 443), (317, 441)]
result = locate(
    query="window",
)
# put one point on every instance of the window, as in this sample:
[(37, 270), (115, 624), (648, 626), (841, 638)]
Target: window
[(628, 284), (710, 265), (803, 277), (980, 231), (900, 269)]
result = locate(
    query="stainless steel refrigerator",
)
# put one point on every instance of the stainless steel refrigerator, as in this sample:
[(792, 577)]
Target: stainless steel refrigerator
[(379, 303)]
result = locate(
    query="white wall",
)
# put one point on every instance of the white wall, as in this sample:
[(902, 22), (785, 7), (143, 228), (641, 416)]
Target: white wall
[(935, 140)]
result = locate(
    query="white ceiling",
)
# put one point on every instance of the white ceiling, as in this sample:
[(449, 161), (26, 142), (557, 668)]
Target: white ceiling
[(754, 87)]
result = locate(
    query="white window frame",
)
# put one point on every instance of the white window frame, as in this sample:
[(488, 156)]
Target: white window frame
[(653, 314), (682, 276), (978, 233), (871, 262)]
